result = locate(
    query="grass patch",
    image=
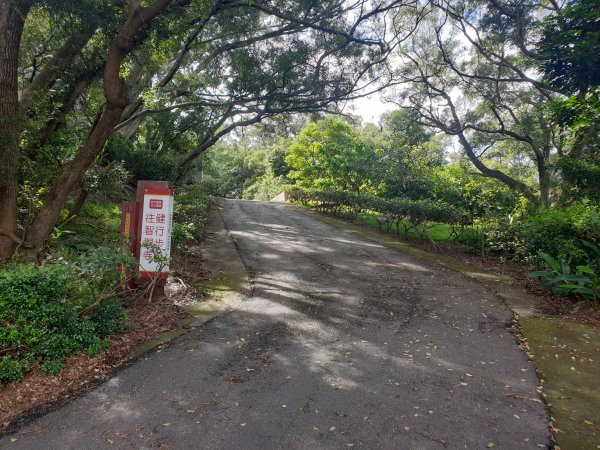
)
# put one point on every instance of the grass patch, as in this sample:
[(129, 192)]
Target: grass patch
[(439, 232), (97, 226), (567, 357)]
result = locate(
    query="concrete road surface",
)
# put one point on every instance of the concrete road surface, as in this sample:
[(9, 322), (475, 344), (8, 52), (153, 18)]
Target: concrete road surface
[(345, 343)]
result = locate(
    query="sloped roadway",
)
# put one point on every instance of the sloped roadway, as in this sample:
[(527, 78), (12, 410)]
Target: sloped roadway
[(345, 343)]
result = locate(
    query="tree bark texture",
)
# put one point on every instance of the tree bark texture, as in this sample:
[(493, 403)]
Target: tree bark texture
[(79, 202), (12, 19), (117, 99)]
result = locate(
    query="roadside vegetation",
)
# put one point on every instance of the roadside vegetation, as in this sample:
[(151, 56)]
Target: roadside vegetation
[(493, 143), (72, 300), (403, 179)]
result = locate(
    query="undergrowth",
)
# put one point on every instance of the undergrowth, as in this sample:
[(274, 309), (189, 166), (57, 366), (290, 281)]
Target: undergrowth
[(48, 313)]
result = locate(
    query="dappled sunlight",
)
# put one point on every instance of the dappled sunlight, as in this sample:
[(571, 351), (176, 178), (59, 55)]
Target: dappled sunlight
[(270, 256), (266, 307), (360, 243), (338, 335), (112, 409), (334, 290)]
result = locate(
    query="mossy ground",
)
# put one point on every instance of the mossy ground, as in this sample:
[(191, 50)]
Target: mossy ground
[(567, 356)]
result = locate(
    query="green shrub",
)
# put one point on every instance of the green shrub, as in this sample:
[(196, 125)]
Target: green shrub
[(550, 231), (414, 211), (190, 213), (503, 237), (143, 164), (584, 281), (553, 231), (44, 316), (10, 369)]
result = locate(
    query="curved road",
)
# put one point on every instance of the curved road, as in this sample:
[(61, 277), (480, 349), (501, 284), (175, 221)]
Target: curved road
[(345, 343)]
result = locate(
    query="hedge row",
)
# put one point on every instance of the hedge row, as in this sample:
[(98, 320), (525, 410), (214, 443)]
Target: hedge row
[(400, 211)]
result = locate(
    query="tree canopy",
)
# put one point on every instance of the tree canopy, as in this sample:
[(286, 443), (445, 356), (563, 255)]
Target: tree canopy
[(170, 76), (88, 87)]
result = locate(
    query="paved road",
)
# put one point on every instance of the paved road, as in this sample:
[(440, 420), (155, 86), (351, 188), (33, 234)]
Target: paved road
[(345, 343)]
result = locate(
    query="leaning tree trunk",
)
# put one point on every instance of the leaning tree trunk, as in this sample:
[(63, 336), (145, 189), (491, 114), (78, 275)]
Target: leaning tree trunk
[(71, 175), (117, 99), (12, 19), (78, 204)]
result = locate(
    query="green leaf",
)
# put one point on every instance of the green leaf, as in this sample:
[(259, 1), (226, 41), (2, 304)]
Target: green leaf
[(540, 273), (594, 247), (552, 262), (586, 269)]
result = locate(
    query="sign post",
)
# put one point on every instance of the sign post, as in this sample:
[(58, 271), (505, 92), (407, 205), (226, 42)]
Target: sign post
[(128, 234), (146, 226), (156, 220)]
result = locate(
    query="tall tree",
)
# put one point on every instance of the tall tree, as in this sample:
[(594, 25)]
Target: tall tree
[(471, 74), (232, 63), (331, 154), (12, 19), (570, 57), (411, 155)]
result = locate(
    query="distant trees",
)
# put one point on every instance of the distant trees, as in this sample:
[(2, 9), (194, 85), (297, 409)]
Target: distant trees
[(157, 83), (74, 73), (570, 57), (331, 154), (410, 155), (473, 72)]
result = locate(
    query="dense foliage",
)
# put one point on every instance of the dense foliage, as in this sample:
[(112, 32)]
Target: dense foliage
[(190, 214), (393, 211), (71, 302), (51, 312), (496, 133), (152, 85)]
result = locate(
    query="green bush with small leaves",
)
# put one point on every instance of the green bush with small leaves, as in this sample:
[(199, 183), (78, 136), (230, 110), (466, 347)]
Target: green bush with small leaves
[(553, 231), (48, 313), (583, 281), (190, 213), (416, 212)]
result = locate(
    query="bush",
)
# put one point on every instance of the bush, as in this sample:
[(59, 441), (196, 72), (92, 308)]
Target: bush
[(553, 231), (190, 213), (415, 212), (44, 318)]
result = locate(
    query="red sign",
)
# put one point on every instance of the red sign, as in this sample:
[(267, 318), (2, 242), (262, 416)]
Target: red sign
[(156, 204), (153, 240)]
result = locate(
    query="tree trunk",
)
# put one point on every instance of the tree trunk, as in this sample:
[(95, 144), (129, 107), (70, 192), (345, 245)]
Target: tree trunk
[(515, 185), (117, 99), (79, 202), (12, 19), (545, 183), (71, 176)]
